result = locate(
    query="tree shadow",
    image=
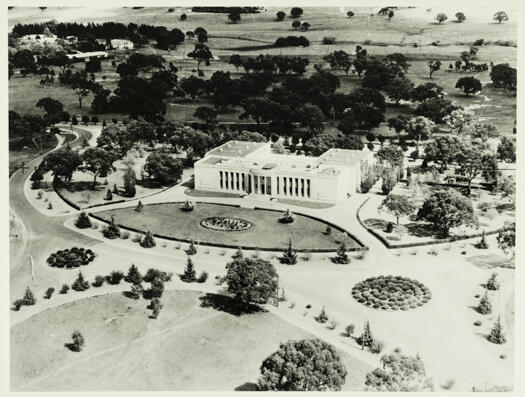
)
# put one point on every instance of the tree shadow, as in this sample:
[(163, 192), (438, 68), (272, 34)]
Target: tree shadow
[(80, 186), (71, 347), (248, 386), (130, 295), (229, 305), (420, 229)]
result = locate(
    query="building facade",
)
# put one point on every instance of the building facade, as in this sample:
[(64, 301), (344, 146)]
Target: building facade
[(121, 44), (251, 168)]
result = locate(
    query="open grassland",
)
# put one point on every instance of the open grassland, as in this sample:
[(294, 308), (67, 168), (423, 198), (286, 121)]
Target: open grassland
[(188, 347), (267, 232)]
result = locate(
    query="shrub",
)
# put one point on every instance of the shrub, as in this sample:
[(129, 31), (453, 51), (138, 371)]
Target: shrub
[(479, 42), (329, 40), (306, 257), (322, 317), (99, 280), (109, 196), (134, 276), (477, 323), (155, 307), (50, 206), (64, 289), (341, 257), (80, 284), (333, 324), (289, 255), (39, 194), (189, 275), (493, 283), (115, 277), (124, 235), (449, 384), (192, 250), (49, 293), (112, 231), (202, 277), (148, 241), (28, 299), (287, 217), (432, 252), (376, 347), (496, 334), (71, 257), (157, 287), (18, 304), (83, 221)]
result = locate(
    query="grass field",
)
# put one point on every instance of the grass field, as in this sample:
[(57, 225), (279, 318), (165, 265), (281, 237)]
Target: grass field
[(376, 33), (188, 347), (267, 232)]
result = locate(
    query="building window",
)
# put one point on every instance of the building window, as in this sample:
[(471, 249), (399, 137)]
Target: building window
[(296, 186), (290, 186), (243, 176), (284, 186), (302, 187), (220, 178), (237, 176), (231, 181), (226, 180), (277, 185), (308, 187)]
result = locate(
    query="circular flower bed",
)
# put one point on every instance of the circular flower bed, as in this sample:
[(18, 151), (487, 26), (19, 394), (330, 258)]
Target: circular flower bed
[(74, 257), (391, 293), (226, 224)]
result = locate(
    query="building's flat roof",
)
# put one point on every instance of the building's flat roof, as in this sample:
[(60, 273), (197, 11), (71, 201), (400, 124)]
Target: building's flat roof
[(236, 149), (342, 157)]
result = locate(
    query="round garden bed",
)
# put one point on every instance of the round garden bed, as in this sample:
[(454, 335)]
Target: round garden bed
[(223, 224), (391, 293), (69, 258)]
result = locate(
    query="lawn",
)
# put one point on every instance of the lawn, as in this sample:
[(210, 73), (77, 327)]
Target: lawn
[(267, 232), (189, 347)]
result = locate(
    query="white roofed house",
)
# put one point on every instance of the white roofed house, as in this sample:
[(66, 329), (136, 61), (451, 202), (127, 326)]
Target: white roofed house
[(40, 38), (86, 56), (251, 168), (121, 44)]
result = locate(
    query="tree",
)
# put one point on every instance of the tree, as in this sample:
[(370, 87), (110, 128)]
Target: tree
[(400, 88), (156, 306), (392, 155), (206, 114), (93, 66), (189, 275), (251, 280), (460, 17), (341, 256), (500, 16), (483, 131), (399, 373), (441, 17), (339, 60), (389, 179), (183, 17), (304, 365), (469, 85), (474, 159), (49, 293), (446, 209), (398, 205), (443, 151), (157, 287), (234, 17), (134, 276), (420, 128), (192, 86), (492, 283), (350, 14), (496, 334), (504, 76), (163, 168), (460, 121), (54, 109), (507, 237), (112, 231), (126, 69), (289, 254), (366, 338), (80, 284), (83, 221), (29, 298), (433, 66), (62, 163), (296, 12), (148, 241), (78, 341), (484, 305), (278, 147), (296, 24), (201, 53), (424, 92), (280, 15), (97, 162), (507, 150), (311, 118), (194, 142), (305, 26), (130, 179)]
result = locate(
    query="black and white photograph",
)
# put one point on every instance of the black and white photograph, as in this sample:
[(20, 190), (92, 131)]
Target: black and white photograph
[(294, 197)]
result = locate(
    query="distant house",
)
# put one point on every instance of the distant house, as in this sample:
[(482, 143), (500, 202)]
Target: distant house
[(121, 44), (41, 38), (86, 56)]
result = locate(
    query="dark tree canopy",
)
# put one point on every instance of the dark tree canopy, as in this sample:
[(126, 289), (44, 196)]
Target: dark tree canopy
[(163, 168)]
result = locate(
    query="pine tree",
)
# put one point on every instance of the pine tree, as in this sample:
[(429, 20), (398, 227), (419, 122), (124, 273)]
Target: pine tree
[(189, 275), (148, 241), (133, 276), (341, 257), (109, 195), (366, 337), (322, 317), (289, 255), (192, 250), (496, 334), (484, 306), (493, 283), (83, 221), (112, 231), (29, 298), (136, 290), (238, 254), (80, 284), (139, 207)]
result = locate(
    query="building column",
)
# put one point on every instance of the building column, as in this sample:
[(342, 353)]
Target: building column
[(293, 187)]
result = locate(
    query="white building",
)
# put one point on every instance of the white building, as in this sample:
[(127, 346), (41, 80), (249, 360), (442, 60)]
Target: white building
[(121, 44), (40, 38), (252, 168), (86, 56)]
